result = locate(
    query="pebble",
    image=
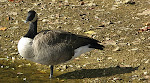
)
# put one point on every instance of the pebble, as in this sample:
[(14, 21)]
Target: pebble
[(147, 61), (109, 58), (98, 59), (109, 42), (147, 77), (91, 4), (13, 59), (3, 0), (123, 44), (84, 65), (134, 76), (100, 10), (29, 64), (2, 66), (61, 70), (116, 49), (148, 47), (20, 65), (70, 65), (64, 66), (134, 49), (145, 73), (117, 78), (78, 66), (58, 69), (107, 38), (24, 79), (16, 22), (4, 49), (114, 8), (19, 73), (146, 12), (129, 2), (13, 13), (45, 20), (14, 53), (7, 67)]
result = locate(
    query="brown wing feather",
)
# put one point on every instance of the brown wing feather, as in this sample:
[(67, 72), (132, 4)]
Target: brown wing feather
[(58, 45)]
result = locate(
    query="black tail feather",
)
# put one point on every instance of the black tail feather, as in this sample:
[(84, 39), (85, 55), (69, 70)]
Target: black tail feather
[(96, 46)]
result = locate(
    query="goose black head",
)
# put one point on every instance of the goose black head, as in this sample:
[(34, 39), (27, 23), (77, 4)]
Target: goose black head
[(32, 16)]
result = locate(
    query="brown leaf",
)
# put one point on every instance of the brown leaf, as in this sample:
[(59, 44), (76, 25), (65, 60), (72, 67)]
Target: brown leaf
[(3, 28), (11, 0)]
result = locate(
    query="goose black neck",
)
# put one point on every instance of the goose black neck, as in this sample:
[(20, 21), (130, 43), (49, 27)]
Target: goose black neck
[(32, 30)]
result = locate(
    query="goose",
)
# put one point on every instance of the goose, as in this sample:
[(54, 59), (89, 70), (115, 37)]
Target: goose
[(52, 47)]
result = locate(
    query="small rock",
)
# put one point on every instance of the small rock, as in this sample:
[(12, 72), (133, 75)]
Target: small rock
[(2, 66), (146, 46), (129, 2), (29, 64), (7, 67), (91, 4), (19, 73), (146, 12), (14, 53), (136, 41), (16, 22), (123, 44), (4, 59), (13, 68), (3, 0), (147, 61), (24, 79), (100, 10), (86, 57), (98, 59), (109, 58), (84, 65), (53, 1), (70, 65), (62, 80), (107, 38), (20, 65), (58, 69), (64, 66), (13, 59), (116, 49), (114, 8), (145, 73), (78, 66), (91, 32), (117, 79), (78, 28), (109, 42), (45, 20), (147, 77), (134, 76), (61, 70), (134, 49), (14, 27), (13, 13)]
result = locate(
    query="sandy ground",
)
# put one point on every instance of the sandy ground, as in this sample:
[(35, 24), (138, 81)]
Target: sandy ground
[(123, 26)]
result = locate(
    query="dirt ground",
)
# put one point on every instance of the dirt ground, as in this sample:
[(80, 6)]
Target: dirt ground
[(123, 26)]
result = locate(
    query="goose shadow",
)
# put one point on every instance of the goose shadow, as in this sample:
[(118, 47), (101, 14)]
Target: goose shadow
[(94, 73)]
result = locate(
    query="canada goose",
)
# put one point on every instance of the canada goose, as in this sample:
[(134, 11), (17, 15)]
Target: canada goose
[(52, 47)]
